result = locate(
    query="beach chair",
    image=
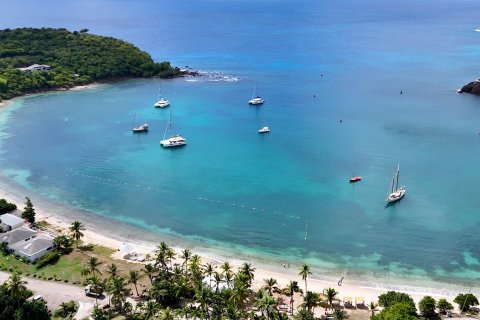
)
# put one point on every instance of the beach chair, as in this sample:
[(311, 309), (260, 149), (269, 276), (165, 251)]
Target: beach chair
[(348, 302), (360, 302)]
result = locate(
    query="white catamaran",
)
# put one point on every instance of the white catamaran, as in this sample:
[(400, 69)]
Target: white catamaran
[(256, 100), (140, 128), (396, 193), (161, 101), (174, 140)]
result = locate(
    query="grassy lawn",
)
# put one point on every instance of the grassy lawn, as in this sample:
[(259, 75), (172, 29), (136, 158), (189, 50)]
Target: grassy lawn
[(68, 267)]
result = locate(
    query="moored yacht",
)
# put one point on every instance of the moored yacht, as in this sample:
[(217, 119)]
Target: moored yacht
[(175, 140), (396, 193), (161, 101), (255, 100), (141, 128)]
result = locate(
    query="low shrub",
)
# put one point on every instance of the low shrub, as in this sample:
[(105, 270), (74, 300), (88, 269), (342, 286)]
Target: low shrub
[(50, 258)]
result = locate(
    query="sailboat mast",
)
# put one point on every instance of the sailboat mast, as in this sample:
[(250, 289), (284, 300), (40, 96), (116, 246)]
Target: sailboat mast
[(398, 175), (133, 123), (168, 127)]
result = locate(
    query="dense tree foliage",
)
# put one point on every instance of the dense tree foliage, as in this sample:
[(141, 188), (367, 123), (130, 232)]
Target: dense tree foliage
[(13, 303), (76, 57), (443, 306), (28, 212), (6, 206), (427, 307), (465, 301), (391, 297), (398, 311)]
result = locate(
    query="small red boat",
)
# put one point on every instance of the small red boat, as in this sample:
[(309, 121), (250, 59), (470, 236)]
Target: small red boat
[(355, 179)]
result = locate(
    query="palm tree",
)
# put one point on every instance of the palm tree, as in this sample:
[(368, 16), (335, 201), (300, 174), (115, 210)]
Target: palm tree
[(195, 263), (170, 254), (233, 313), (291, 288), (186, 254), (304, 315), (269, 284), (305, 272), (133, 277), (150, 309), (180, 287), (247, 270), (167, 314), (331, 294), (117, 287), (16, 286), (150, 270), (229, 279), (240, 293), (266, 303), (373, 307), (203, 297), (218, 280), (310, 301), (76, 229), (208, 270), (92, 265), (112, 271), (226, 267)]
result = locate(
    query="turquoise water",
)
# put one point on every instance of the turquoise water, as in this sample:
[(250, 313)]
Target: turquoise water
[(285, 194)]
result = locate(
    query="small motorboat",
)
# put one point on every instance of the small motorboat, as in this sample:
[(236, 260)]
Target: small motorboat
[(355, 179)]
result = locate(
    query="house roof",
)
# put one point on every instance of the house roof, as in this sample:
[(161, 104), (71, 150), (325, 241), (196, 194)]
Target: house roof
[(16, 235), (10, 219), (34, 245)]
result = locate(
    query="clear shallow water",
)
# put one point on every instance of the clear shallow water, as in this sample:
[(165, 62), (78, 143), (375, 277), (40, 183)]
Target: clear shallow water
[(264, 193)]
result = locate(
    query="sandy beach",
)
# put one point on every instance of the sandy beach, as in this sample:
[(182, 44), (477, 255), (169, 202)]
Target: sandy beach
[(60, 218), (103, 231)]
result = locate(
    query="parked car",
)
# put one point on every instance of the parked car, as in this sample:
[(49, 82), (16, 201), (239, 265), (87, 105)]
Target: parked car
[(90, 291), (38, 297)]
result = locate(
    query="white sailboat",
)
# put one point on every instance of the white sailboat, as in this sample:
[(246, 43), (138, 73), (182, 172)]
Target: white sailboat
[(256, 100), (354, 177), (396, 193), (263, 129), (140, 128), (161, 101), (174, 140)]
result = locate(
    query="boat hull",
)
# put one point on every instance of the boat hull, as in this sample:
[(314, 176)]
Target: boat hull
[(256, 101), (140, 129), (173, 142), (396, 196), (264, 130), (355, 179)]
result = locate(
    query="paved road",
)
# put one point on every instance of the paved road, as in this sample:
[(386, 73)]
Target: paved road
[(56, 292)]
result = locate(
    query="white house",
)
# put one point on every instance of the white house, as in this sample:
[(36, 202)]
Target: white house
[(10, 222), (36, 67), (33, 248)]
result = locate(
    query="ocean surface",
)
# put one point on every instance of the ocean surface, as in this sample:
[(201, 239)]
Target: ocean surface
[(331, 73)]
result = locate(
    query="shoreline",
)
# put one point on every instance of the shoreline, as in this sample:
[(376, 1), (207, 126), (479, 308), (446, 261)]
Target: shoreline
[(112, 233), (101, 231)]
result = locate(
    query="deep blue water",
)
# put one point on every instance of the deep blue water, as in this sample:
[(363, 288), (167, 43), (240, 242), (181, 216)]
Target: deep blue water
[(285, 193)]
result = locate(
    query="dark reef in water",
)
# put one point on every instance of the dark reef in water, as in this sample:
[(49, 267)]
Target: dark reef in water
[(472, 87)]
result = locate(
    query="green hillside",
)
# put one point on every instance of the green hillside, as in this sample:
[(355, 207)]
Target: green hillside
[(76, 58)]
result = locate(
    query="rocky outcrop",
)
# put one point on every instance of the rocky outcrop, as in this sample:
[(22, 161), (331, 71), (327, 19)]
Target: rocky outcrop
[(472, 87)]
